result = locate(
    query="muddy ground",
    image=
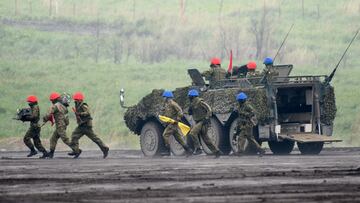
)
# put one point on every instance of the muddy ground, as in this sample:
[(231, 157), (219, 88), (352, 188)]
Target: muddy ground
[(126, 176)]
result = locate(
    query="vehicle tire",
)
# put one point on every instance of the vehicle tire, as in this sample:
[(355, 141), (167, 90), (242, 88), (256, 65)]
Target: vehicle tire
[(249, 149), (282, 147), (310, 148), (218, 136), (151, 141)]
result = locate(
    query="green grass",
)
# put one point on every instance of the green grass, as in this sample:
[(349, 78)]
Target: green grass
[(156, 48)]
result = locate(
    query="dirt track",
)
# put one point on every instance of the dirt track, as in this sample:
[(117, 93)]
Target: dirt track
[(127, 176)]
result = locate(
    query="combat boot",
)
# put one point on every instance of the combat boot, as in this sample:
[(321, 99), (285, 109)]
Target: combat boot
[(51, 154), (197, 151), (73, 153), (261, 152), (32, 152), (188, 150), (77, 154), (218, 154), (105, 151), (45, 155)]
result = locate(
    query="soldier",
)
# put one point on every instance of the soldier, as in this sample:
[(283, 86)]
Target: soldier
[(252, 72), (201, 113), (59, 112), (215, 73), (34, 130), (268, 73), (246, 122), (173, 111), (84, 121)]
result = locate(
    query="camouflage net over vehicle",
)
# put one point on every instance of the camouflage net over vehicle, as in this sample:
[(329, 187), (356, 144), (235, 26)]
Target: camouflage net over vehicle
[(221, 101), (328, 106)]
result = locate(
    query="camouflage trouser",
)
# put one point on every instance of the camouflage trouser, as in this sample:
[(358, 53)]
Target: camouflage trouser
[(60, 132), (246, 133), (34, 134), (200, 130), (174, 130), (88, 131)]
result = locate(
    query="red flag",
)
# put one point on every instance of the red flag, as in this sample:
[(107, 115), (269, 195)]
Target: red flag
[(230, 63)]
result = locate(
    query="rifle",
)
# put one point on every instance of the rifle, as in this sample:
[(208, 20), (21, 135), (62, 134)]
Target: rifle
[(330, 77)]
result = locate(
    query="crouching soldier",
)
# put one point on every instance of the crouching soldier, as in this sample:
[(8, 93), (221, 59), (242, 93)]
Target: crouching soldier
[(173, 111), (34, 130), (201, 113), (84, 121), (59, 112), (246, 122)]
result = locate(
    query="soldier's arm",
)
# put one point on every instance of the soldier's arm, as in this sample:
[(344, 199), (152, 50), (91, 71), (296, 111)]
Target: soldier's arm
[(34, 114), (49, 113), (86, 110), (179, 112), (207, 74)]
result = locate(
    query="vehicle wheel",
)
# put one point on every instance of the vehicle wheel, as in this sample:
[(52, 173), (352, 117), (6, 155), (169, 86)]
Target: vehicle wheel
[(151, 141), (281, 147), (175, 146), (218, 137), (310, 148), (234, 147)]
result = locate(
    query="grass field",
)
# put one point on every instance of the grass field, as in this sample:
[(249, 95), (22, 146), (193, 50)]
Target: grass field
[(100, 46)]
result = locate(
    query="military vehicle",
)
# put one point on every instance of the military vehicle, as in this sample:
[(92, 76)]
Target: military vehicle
[(290, 109)]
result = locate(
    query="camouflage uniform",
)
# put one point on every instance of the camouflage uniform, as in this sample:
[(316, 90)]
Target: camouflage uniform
[(253, 74), (173, 110), (201, 113), (61, 122), (246, 122), (214, 74), (84, 121), (34, 130)]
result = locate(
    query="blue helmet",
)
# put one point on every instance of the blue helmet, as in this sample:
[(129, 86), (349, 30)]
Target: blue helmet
[(193, 93), (241, 96), (268, 61), (168, 94)]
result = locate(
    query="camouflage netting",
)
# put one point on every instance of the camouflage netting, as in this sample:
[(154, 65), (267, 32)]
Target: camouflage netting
[(221, 101), (328, 106)]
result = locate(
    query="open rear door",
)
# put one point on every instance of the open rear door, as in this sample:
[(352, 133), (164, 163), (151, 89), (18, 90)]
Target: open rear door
[(309, 137)]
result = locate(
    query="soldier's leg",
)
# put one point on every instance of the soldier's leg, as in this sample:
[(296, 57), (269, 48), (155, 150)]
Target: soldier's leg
[(37, 142), (27, 140), (53, 141), (242, 140), (93, 137), (204, 134), (75, 137), (62, 134), (253, 142), (90, 134), (194, 133), (166, 135), (179, 138)]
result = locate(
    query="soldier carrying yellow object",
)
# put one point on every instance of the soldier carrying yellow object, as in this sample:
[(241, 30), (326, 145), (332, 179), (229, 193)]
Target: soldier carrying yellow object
[(201, 113), (173, 111)]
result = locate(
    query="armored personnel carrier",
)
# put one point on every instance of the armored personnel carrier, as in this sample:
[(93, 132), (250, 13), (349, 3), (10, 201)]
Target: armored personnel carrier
[(290, 109)]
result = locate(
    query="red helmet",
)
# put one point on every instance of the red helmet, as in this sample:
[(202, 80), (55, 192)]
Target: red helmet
[(54, 96), (251, 65), (78, 96), (215, 61), (32, 99)]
